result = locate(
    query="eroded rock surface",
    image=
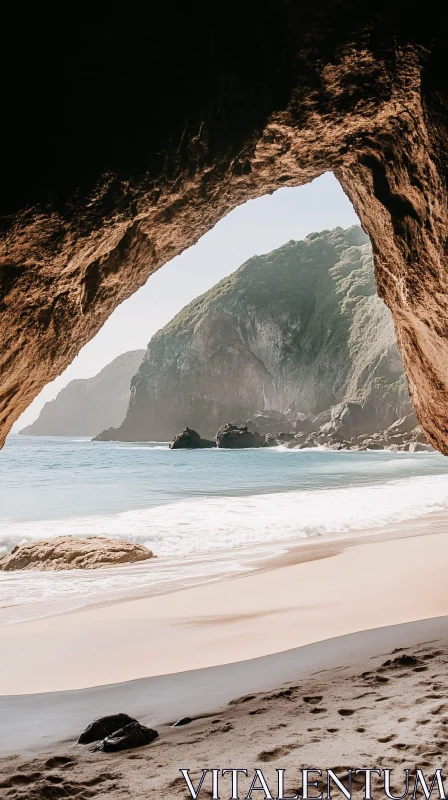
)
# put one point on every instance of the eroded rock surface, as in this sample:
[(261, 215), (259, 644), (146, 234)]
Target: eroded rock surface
[(126, 738), (237, 437), (190, 440), (152, 129), (104, 726), (69, 552)]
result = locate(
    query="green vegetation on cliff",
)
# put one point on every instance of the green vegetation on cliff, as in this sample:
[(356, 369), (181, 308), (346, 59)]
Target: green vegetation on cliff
[(300, 328)]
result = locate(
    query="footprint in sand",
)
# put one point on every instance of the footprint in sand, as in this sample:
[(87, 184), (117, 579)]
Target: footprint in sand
[(280, 694), (384, 739), (314, 699), (346, 712), (59, 761), (277, 752), (438, 710)]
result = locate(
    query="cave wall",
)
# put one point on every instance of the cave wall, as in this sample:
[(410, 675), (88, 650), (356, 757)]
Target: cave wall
[(129, 136)]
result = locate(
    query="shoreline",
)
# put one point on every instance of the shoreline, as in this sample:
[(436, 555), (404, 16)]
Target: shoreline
[(251, 559), (51, 722), (307, 594)]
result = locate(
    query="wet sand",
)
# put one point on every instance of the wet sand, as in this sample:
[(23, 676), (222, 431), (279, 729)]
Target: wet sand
[(365, 584)]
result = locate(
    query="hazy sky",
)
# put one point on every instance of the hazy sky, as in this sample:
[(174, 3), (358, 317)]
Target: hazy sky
[(251, 229)]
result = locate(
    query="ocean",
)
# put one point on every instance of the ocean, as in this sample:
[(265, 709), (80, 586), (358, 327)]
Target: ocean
[(205, 513)]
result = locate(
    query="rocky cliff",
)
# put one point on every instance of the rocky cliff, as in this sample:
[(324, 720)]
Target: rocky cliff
[(84, 406), (156, 125), (300, 328)]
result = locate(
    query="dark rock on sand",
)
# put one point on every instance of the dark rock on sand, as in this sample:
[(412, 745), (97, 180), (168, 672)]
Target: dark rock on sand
[(104, 726), (238, 437), (189, 439), (131, 735), (68, 552)]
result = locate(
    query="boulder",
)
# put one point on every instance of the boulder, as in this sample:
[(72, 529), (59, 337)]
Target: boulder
[(69, 552), (309, 441), (189, 439), (104, 726), (283, 437), (302, 423), (405, 424), (239, 437), (271, 421), (130, 736), (346, 420), (418, 435), (418, 447), (321, 419), (372, 444)]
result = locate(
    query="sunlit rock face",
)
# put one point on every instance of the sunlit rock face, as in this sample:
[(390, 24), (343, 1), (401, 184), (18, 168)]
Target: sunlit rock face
[(296, 330), (127, 138)]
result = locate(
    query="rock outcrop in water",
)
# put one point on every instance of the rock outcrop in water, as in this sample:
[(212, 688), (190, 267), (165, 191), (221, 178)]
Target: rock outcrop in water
[(190, 440), (341, 429), (297, 330), (68, 552), (237, 437), (86, 405)]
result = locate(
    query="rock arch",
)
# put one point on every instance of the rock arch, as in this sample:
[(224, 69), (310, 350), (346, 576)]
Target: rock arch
[(128, 137)]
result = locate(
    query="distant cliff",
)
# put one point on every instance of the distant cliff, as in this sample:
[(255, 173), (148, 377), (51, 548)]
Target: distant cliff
[(86, 406), (300, 328)]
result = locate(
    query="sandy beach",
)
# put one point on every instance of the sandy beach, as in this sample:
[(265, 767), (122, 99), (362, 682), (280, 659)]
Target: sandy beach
[(317, 623), (371, 699), (343, 587)]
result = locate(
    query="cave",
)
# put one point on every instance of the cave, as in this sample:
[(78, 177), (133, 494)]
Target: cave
[(128, 136)]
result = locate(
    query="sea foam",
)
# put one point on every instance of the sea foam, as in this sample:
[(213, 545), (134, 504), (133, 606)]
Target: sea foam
[(205, 524)]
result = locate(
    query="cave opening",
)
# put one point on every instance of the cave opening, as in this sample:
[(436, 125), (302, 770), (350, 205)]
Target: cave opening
[(258, 227), (272, 322)]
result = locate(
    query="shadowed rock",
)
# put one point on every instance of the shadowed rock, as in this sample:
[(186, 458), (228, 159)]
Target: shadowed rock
[(182, 721), (68, 552), (237, 437), (104, 726), (94, 201), (190, 440), (130, 736)]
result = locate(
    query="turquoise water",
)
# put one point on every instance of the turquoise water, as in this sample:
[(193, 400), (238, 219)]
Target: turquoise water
[(48, 481), (202, 512)]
